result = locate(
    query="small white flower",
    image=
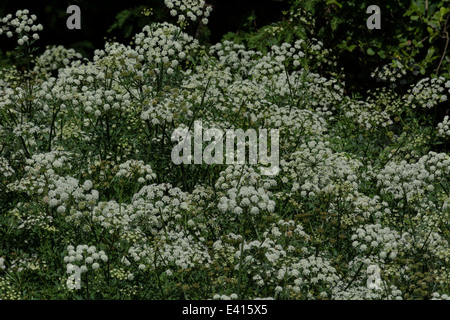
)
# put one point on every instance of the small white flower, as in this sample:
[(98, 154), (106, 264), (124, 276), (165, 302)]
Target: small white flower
[(61, 209)]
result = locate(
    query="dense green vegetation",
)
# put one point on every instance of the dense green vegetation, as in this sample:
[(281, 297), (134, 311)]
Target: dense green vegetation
[(92, 205)]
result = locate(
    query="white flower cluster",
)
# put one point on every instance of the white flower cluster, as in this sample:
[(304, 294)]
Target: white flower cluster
[(25, 262), (444, 127), (244, 192), (112, 216), (249, 253), (65, 191), (314, 168), (28, 129), (368, 207), (63, 194), (413, 180), (157, 206), (322, 94), (389, 73), (5, 168), (8, 290), (430, 242), (271, 64), (50, 163), (438, 296), (23, 25), (368, 282), (296, 125), (374, 238), (290, 229), (246, 198), (364, 291), (366, 115), (245, 98), (272, 87), (79, 261), (55, 57), (238, 175), (173, 249), (136, 169), (159, 43), (234, 56), (232, 296), (427, 93), (314, 270), (170, 107), (269, 93), (267, 261), (192, 9), (385, 100), (291, 52)]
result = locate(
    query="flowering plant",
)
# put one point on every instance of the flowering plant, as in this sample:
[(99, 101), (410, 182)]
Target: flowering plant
[(93, 207)]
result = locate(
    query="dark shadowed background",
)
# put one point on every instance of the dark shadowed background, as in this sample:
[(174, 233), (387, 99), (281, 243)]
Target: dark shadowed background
[(97, 17)]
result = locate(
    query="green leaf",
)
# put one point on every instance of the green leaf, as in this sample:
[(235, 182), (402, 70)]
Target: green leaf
[(334, 23), (334, 2), (370, 52), (443, 11), (430, 53), (352, 47), (381, 54)]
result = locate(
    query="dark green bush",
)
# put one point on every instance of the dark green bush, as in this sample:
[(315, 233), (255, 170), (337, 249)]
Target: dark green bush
[(413, 36)]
